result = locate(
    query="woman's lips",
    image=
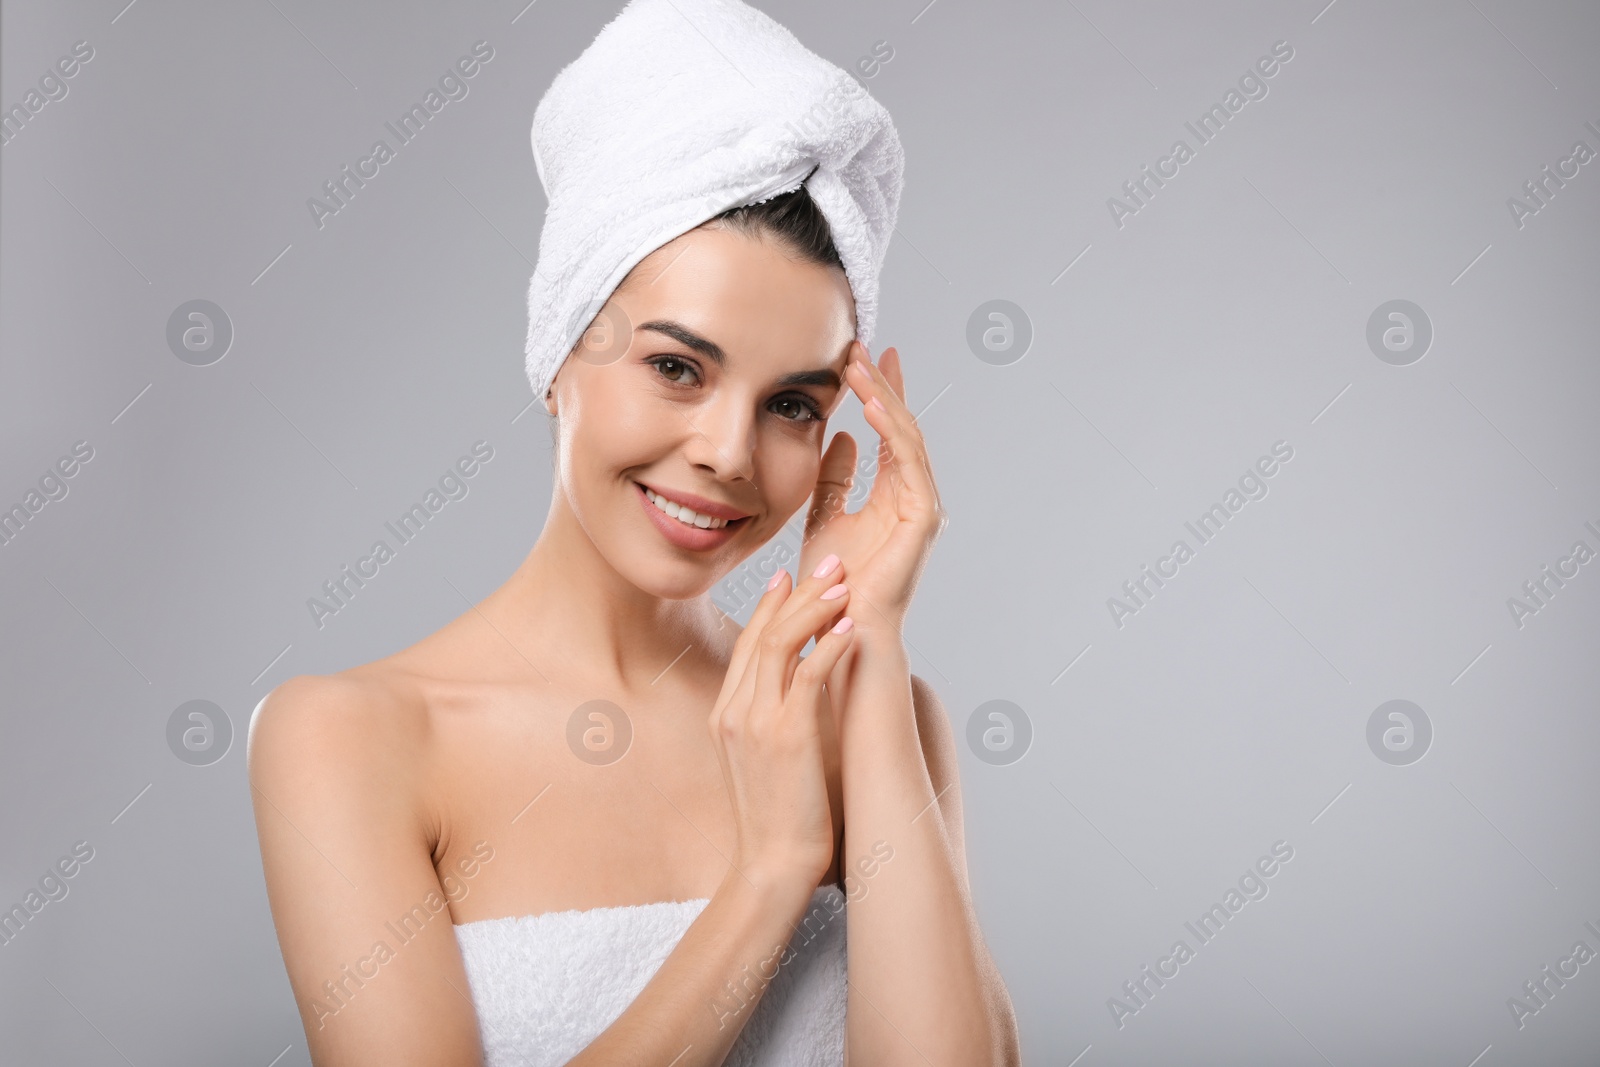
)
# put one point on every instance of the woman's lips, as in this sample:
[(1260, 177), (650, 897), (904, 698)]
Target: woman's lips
[(682, 534)]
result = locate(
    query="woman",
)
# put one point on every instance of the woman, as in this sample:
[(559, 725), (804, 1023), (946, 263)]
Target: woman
[(593, 821)]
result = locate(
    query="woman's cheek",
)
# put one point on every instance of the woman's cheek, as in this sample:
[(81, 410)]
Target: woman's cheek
[(627, 426), (792, 478)]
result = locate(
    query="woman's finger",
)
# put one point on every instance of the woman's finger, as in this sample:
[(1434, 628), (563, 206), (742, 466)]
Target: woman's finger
[(815, 668), (744, 646), (870, 381), (818, 599), (889, 364), (834, 479), (905, 450)]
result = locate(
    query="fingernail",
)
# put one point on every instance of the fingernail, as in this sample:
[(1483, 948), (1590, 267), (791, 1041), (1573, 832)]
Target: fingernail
[(772, 583), (875, 402), (843, 626), (836, 592), (826, 566)]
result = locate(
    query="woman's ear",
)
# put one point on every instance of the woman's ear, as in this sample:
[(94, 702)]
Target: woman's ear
[(550, 390)]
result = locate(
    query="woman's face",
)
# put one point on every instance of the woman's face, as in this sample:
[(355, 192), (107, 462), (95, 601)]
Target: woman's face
[(707, 379)]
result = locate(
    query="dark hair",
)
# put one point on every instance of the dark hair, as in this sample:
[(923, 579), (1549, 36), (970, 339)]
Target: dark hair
[(794, 219)]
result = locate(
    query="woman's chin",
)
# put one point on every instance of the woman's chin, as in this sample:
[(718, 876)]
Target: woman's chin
[(671, 577), (688, 587)]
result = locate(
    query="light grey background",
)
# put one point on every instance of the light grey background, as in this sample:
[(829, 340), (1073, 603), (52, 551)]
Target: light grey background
[(1228, 314)]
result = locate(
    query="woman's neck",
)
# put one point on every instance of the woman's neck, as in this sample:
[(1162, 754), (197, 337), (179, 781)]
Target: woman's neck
[(568, 609)]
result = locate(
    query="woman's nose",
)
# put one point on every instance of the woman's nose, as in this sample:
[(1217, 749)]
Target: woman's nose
[(722, 437)]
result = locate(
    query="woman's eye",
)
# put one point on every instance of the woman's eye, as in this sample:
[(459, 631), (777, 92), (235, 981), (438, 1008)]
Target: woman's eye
[(797, 409), (673, 370)]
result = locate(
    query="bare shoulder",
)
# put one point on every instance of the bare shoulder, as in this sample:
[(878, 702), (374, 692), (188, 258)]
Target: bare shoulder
[(363, 728), (939, 753)]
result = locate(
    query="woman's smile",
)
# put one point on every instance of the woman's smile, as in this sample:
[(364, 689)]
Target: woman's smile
[(699, 528)]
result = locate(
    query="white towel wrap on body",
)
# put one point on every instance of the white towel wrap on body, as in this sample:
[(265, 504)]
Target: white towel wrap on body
[(545, 986)]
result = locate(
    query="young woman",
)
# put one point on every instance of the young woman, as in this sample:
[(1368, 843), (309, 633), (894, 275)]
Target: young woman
[(594, 821)]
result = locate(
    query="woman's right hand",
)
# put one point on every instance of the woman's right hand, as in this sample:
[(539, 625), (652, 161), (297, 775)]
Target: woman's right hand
[(767, 729)]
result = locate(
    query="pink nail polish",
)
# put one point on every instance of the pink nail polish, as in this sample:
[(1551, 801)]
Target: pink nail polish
[(844, 625), (826, 566), (836, 592), (875, 402), (772, 583)]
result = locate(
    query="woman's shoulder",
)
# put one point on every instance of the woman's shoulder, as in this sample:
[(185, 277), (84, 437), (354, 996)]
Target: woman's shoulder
[(367, 722)]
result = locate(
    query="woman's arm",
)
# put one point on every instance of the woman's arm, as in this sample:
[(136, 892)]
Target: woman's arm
[(335, 775), (693, 1008), (923, 987)]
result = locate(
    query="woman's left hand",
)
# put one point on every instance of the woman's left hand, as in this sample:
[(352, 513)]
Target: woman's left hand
[(885, 544)]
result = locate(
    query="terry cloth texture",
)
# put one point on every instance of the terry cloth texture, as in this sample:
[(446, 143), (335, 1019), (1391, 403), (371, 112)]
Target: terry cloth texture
[(545, 986)]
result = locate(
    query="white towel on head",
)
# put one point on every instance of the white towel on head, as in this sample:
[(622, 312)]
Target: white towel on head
[(679, 110)]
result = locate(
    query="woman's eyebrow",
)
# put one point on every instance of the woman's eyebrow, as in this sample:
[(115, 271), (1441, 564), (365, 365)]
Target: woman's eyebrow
[(713, 351), (685, 336), (824, 377)]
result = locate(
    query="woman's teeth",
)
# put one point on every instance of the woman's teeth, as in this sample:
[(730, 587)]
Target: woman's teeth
[(685, 515)]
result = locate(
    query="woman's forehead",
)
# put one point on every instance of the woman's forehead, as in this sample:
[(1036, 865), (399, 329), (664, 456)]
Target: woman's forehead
[(748, 296)]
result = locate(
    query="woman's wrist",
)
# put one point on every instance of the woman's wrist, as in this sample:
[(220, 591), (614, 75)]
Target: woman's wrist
[(878, 727), (772, 882), (881, 641)]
